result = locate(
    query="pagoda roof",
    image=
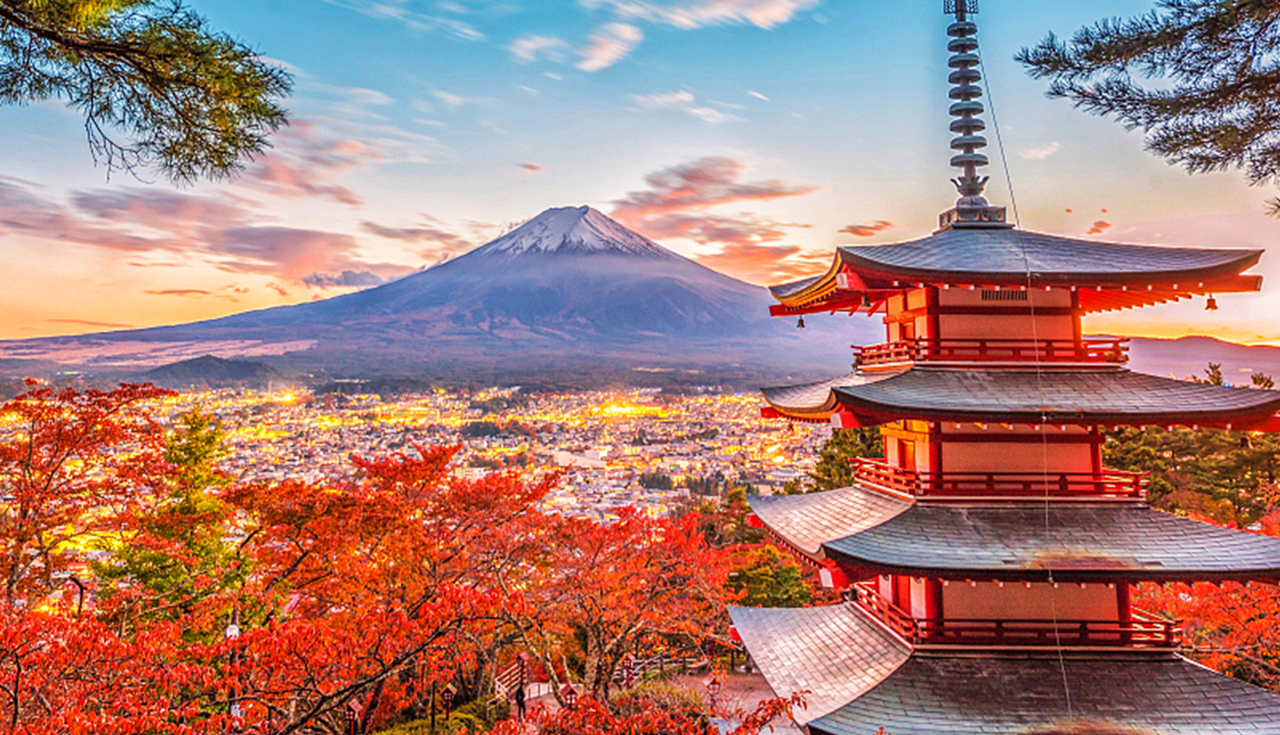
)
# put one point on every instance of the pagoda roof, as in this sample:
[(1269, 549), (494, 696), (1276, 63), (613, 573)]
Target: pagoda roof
[(1066, 541), (1004, 256), (1105, 695), (810, 520), (816, 399), (861, 678), (834, 652), (1002, 395)]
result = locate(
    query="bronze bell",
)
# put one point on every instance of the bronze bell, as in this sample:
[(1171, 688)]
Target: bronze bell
[(800, 324), (1211, 304)]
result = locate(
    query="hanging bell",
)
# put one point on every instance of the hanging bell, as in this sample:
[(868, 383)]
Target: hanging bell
[(866, 301), (800, 324), (1211, 304)]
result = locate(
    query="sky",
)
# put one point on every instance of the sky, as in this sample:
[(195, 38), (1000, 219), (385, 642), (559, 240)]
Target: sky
[(754, 136)]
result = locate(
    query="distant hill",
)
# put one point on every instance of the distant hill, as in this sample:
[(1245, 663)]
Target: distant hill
[(1187, 356), (571, 294), (213, 372)]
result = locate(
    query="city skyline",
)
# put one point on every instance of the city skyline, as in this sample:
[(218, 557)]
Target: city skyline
[(751, 135)]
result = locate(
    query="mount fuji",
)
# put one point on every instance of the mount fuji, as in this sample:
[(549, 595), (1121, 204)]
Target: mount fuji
[(570, 292)]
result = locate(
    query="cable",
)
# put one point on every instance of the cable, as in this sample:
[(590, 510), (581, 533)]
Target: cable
[(1004, 160), (1044, 418)]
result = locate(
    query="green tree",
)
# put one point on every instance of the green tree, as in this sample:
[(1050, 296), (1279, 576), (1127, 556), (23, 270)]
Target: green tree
[(1200, 77), (190, 101), (176, 552), (770, 579), (833, 469)]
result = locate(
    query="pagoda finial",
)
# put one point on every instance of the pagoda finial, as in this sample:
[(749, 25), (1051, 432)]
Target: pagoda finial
[(971, 209)]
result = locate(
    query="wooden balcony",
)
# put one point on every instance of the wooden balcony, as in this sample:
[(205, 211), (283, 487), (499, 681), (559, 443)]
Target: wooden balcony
[(993, 351), (1145, 630), (1113, 484)]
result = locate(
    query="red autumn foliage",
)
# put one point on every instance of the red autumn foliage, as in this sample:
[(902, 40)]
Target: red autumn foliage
[(640, 715), (271, 607), (1232, 627), (619, 586)]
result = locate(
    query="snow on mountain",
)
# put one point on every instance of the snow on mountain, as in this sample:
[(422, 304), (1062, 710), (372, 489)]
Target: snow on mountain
[(577, 230)]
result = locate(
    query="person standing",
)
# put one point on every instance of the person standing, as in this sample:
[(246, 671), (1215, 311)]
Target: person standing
[(520, 703)]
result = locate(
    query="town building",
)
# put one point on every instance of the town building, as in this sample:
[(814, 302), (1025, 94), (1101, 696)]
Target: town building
[(988, 559)]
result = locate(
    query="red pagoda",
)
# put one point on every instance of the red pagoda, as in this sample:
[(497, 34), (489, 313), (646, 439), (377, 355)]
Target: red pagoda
[(988, 558)]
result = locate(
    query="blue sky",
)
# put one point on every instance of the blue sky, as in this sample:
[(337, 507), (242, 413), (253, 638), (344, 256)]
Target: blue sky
[(754, 135)]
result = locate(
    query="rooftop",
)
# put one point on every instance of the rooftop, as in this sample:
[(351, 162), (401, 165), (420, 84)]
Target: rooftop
[(861, 678), (1076, 542), (1107, 275), (1081, 396)]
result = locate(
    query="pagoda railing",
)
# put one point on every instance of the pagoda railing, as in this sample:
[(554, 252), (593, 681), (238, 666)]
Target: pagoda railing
[(1145, 630), (1107, 351), (1028, 485)]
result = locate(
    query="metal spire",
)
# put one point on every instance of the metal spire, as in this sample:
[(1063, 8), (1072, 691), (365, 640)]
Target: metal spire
[(971, 209)]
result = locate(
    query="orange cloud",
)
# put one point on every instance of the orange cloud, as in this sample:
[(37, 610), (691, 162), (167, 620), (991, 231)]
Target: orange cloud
[(179, 292), (675, 206), (1099, 227), (700, 184), (765, 263), (87, 323), (532, 168), (866, 230)]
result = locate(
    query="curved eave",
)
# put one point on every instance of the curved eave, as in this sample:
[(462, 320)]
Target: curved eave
[(1068, 542), (834, 653), (805, 522), (861, 277), (1079, 397), (1229, 264), (814, 401), (1105, 695)]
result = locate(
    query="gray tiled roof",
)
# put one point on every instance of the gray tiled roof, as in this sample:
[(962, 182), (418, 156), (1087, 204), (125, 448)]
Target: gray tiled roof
[(1069, 395), (835, 653), (807, 521), (970, 252), (816, 397), (787, 289), (1164, 695), (1077, 541)]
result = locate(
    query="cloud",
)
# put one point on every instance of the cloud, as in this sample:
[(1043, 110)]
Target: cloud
[(172, 229), (527, 49), (665, 100), (681, 101), (1099, 227), (532, 168), (278, 289), (346, 278), (697, 185), (396, 10), (757, 95), (866, 230), (305, 160), (676, 206), (431, 231), (690, 14), (765, 263), (179, 292), (87, 323), (23, 212), (1041, 153), (609, 45)]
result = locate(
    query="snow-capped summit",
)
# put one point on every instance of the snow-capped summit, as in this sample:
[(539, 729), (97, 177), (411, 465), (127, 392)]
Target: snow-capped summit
[(573, 230)]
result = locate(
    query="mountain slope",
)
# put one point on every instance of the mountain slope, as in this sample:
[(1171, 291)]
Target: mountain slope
[(569, 290)]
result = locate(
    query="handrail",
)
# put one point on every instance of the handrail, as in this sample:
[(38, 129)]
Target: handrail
[(1108, 483), (1145, 630), (1106, 351)]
